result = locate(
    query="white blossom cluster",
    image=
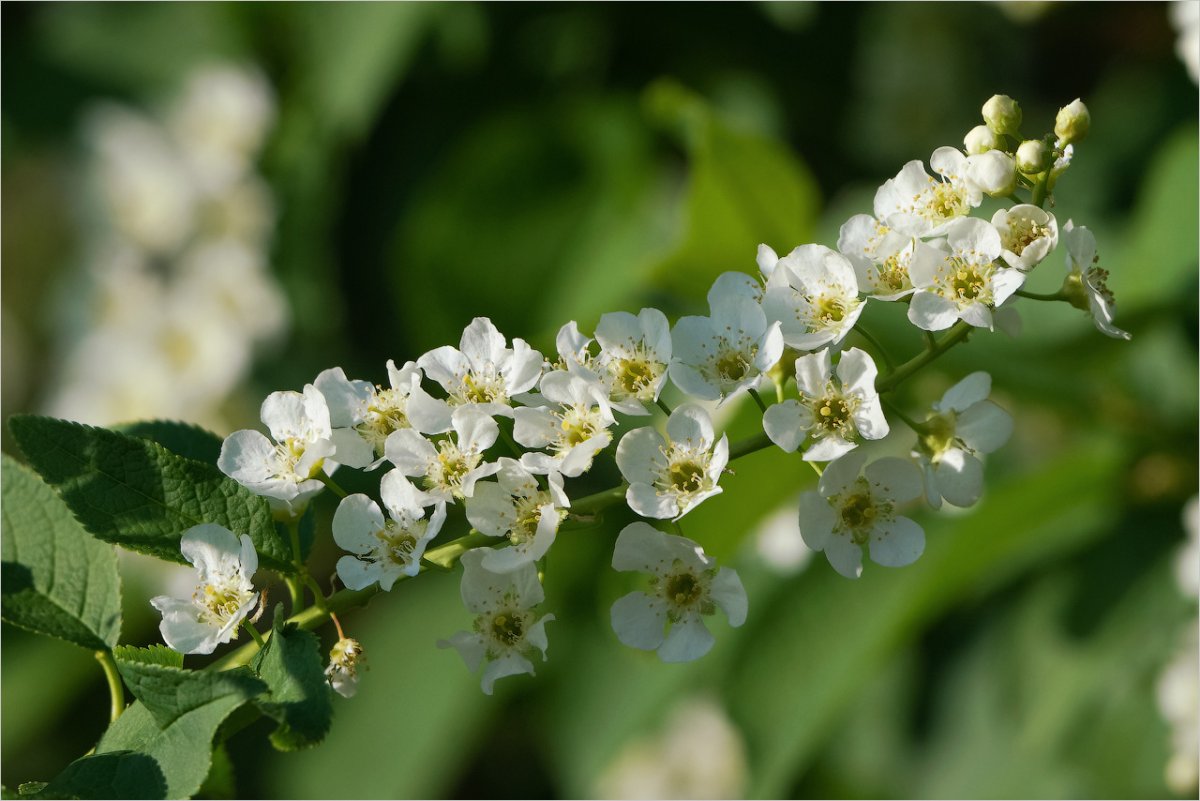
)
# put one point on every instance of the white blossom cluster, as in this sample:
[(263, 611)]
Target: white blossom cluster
[(500, 430), (174, 292)]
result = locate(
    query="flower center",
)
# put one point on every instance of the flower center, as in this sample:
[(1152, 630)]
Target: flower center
[(892, 274), (398, 543), (683, 589), (386, 412), (833, 413), (731, 366), (578, 424), (831, 309), (528, 516), (482, 388), (686, 477), (946, 202), (1097, 278), (508, 628), (1022, 232), (450, 467), (858, 515), (220, 602), (635, 375), (966, 281)]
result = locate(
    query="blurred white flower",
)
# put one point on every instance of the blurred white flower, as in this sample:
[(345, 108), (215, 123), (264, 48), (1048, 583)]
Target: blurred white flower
[(1185, 18), (1178, 693), (686, 586), (506, 629), (1187, 561), (778, 543), (699, 753), (964, 424), (223, 594)]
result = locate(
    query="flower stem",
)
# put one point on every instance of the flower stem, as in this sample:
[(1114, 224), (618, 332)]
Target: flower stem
[(1060, 295), (662, 405), (116, 690), (865, 334), (254, 634), (908, 421), (757, 399), (1041, 189), (334, 487), (902, 373)]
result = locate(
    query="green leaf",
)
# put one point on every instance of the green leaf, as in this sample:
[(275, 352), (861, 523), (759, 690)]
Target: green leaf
[(139, 495), (168, 691), (119, 774), (180, 753), (154, 654), (745, 188), (300, 698), (57, 579), (181, 439)]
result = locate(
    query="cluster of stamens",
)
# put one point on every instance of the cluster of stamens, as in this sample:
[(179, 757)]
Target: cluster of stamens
[(635, 376), (484, 387), (450, 467)]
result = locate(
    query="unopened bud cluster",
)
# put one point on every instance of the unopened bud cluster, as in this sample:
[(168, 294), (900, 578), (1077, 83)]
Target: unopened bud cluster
[(493, 431)]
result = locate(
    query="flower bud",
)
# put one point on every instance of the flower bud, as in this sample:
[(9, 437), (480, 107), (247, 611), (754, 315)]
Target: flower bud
[(980, 139), (1002, 115), (1033, 156), (345, 658), (1072, 122), (994, 172)]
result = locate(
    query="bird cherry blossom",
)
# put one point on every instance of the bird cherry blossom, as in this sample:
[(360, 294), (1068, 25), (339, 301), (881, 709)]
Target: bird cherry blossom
[(516, 507), (853, 508), (506, 629), (1086, 285), (635, 352), (384, 548), (668, 476), (574, 430), (880, 257), (482, 371), (223, 596), (964, 424), (718, 356), (1027, 235), (832, 413), (345, 659), (959, 278), (449, 468), (813, 293), (686, 586), (283, 471)]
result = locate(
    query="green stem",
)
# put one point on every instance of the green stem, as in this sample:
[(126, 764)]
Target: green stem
[(865, 334), (908, 421), (1040, 189), (666, 409), (116, 690), (510, 443), (318, 594), (254, 633), (1060, 295), (902, 373), (333, 485), (757, 399), (747, 446)]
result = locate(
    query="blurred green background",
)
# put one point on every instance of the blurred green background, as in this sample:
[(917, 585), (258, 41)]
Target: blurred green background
[(537, 163)]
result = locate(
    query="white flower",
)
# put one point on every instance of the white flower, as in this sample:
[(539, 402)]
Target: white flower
[(364, 415), (686, 587), (516, 507), (915, 204), (283, 471), (741, 285), (633, 359), (345, 658), (574, 431), (1178, 695), (1087, 283), (1185, 19), (960, 278), (965, 423), (849, 511), (813, 293), (223, 595), (833, 413), (1187, 559), (1027, 235), (384, 548), (506, 628), (574, 348), (880, 256), (483, 372), (668, 477), (718, 356), (452, 466)]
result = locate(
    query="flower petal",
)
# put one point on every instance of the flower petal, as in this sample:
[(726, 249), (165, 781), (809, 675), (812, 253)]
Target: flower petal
[(897, 542), (688, 640), (639, 620)]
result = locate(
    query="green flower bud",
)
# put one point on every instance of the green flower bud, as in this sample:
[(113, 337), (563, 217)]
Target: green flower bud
[(1002, 115), (981, 139), (1072, 122), (1033, 156)]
